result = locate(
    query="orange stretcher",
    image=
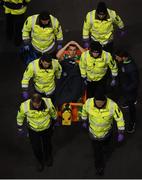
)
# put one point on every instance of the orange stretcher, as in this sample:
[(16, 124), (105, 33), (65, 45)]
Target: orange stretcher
[(71, 112)]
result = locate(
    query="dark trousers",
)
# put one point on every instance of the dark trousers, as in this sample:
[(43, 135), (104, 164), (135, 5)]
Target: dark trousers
[(33, 54), (132, 113), (97, 86), (102, 150), (30, 55), (14, 25), (131, 97), (41, 144)]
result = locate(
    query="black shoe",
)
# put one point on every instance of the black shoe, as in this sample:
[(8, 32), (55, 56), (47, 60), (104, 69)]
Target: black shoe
[(49, 161), (100, 171), (131, 128), (40, 167)]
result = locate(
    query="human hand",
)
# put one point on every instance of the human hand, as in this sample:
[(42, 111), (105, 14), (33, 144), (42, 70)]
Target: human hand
[(122, 33), (21, 132), (26, 47), (86, 45), (120, 137), (84, 125), (113, 83), (25, 95), (59, 47)]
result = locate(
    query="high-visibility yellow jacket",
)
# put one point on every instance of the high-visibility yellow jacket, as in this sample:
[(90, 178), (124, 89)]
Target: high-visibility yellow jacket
[(15, 10), (101, 31), (100, 120), (37, 120), (95, 68), (44, 79), (43, 39)]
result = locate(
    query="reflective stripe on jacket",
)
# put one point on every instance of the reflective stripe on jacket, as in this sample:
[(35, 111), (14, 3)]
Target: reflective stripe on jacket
[(95, 68), (37, 120), (44, 79), (100, 120), (15, 7), (101, 31), (43, 39)]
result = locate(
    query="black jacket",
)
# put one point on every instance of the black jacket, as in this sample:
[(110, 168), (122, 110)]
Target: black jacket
[(70, 87), (128, 76)]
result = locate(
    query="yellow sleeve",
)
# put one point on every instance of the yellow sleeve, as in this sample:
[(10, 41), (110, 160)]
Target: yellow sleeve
[(118, 116), (84, 113), (26, 31), (58, 70), (28, 74), (112, 65), (117, 20), (57, 28), (87, 26), (27, 1), (82, 65), (52, 110), (21, 115)]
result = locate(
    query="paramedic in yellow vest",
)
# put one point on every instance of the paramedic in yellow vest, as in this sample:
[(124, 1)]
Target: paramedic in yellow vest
[(44, 71), (43, 32), (99, 26), (40, 115), (14, 11), (98, 113), (94, 65)]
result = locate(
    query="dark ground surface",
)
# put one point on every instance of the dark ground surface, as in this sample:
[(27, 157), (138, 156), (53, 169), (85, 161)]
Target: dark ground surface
[(73, 156)]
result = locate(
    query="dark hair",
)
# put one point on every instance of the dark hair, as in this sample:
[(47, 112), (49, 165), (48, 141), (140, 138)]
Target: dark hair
[(101, 8), (95, 46), (36, 98), (46, 57), (122, 53), (44, 15), (99, 95)]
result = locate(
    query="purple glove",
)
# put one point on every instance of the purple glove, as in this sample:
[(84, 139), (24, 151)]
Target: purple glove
[(113, 82), (120, 137), (85, 81), (26, 47), (86, 45), (59, 46), (57, 123), (25, 95), (84, 125), (122, 32), (21, 132)]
